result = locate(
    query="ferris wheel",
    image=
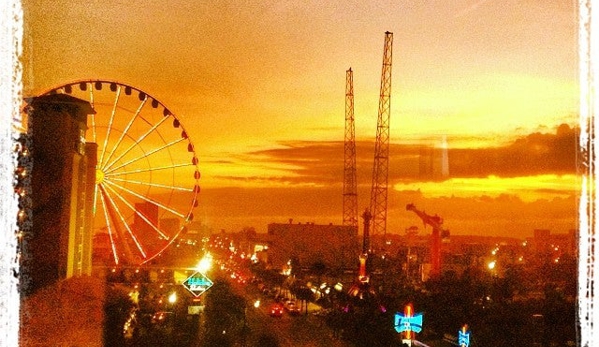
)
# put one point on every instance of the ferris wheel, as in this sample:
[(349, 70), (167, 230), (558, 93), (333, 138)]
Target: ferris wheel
[(146, 176)]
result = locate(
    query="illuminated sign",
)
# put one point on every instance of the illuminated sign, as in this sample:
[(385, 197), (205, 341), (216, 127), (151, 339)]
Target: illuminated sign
[(464, 337), (197, 283), (413, 323), (408, 322)]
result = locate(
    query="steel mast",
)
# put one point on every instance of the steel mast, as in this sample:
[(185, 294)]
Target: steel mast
[(380, 170), (350, 183)]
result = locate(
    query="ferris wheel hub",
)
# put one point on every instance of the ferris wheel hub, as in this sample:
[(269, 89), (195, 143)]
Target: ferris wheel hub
[(99, 176)]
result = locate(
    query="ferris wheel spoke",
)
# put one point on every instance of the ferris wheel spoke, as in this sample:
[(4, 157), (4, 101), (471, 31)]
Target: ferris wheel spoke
[(125, 131), (110, 122), (117, 228), (95, 203), (156, 203), (123, 220), (157, 185), (174, 166), (139, 214), (145, 155), (93, 115), (136, 143), (110, 232)]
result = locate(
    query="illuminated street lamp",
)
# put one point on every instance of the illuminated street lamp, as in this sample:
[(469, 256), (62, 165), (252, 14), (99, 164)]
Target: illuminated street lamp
[(172, 298), (205, 263)]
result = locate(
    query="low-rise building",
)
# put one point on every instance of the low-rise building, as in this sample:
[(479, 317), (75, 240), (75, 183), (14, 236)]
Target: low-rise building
[(334, 245)]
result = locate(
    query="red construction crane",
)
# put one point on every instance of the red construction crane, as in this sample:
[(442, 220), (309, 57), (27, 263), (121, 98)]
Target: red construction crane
[(350, 183), (436, 223), (380, 170)]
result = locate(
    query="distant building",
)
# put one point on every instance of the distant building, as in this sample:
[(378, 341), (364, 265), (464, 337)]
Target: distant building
[(543, 241), (198, 230), (540, 241), (62, 183), (145, 227), (334, 245), (170, 226)]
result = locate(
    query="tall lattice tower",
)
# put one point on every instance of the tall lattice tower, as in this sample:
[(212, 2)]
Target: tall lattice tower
[(380, 170), (350, 183)]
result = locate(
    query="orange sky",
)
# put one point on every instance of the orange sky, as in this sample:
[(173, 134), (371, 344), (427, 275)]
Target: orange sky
[(260, 85)]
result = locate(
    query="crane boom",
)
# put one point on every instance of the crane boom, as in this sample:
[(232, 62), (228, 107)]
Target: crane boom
[(436, 223), (380, 170), (350, 183)]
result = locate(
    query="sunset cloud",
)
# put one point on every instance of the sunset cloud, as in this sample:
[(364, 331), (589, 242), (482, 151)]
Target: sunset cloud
[(322, 162)]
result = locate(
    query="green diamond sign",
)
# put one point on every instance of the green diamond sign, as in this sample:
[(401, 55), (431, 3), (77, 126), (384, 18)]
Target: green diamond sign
[(197, 283)]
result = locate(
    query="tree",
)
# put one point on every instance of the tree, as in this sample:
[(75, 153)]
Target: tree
[(304, 294), (117, 307), (224, 314), (295, 265), (318, 268)]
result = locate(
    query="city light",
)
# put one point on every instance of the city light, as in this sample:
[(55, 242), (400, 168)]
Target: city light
[(172, 298), (287, 269), (492, 265), (205, 263)]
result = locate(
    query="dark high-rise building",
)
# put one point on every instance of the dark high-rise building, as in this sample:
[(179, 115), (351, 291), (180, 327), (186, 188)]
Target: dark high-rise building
[(58, 245)]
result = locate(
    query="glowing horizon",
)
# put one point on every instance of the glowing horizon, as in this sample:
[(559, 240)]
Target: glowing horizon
[(261, 92)]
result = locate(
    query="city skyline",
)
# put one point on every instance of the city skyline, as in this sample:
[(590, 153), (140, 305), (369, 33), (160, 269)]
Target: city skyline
[(261, 89)]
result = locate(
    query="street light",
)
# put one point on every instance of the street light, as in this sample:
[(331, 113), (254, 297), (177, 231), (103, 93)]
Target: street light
[(256, 304), (172, 299), (205, 263)]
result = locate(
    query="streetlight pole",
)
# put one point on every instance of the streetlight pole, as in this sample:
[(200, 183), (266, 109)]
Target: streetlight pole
[(244, 332), (172, 300), (256, 304)]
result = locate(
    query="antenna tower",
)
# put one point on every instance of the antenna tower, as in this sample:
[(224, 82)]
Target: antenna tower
[(350, 183), (380, 170)]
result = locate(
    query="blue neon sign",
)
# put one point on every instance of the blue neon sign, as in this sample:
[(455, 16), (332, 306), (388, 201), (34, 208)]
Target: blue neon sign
[(463, 338), (412, 323), (197, 283)]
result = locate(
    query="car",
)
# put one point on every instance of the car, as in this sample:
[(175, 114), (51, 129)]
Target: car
[(288, 302), (276, 310), (293, 309)]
